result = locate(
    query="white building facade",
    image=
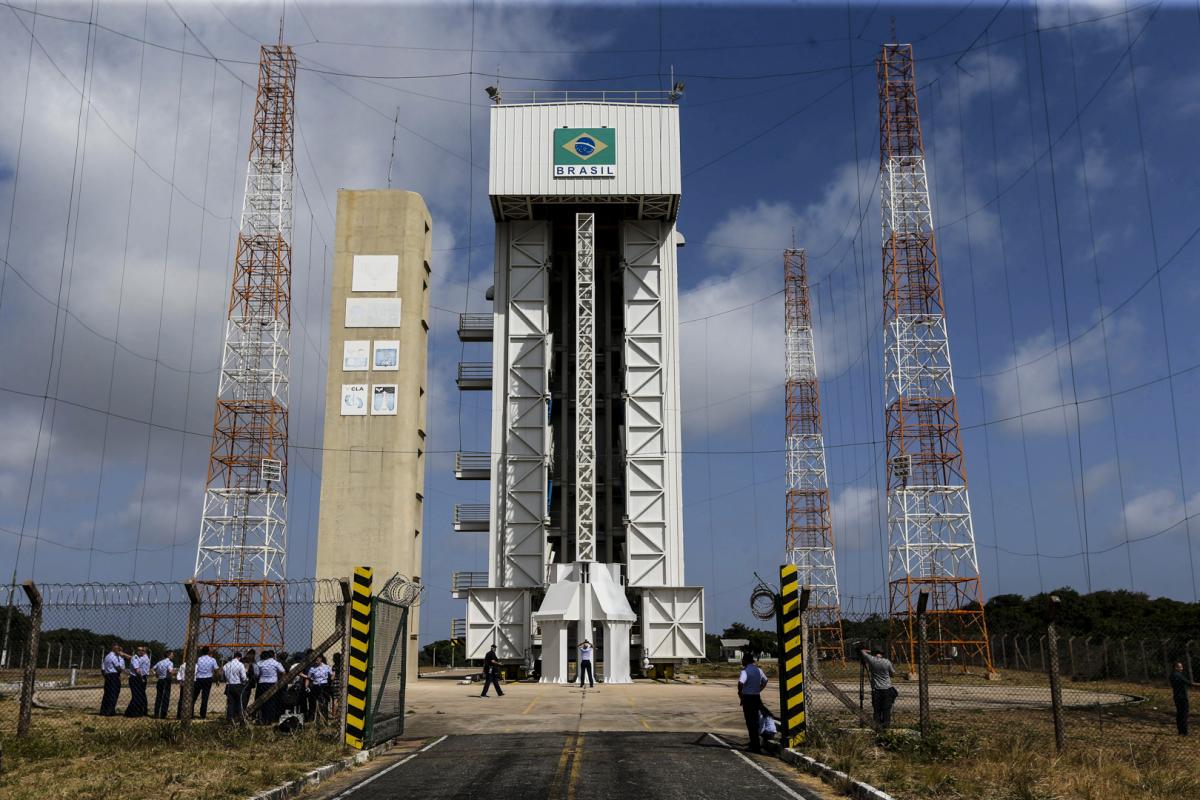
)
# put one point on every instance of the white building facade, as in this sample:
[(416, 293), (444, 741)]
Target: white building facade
[(585, 519)]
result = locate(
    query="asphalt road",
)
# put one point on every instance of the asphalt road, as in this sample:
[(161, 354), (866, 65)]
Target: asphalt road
[(580, 766)]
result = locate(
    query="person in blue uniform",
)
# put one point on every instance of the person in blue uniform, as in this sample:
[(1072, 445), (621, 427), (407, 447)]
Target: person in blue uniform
[(111, 668)]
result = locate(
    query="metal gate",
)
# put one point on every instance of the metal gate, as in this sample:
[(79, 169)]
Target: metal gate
[(388, 667)]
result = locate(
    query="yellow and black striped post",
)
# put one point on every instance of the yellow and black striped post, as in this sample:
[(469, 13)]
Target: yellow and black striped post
[(357, 683), (791, 658)]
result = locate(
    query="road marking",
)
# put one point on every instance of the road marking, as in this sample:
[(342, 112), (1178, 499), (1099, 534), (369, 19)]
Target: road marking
[(568, 742), (532, 703), (383, 772), (789, 790), (645, 724), (578, 756)]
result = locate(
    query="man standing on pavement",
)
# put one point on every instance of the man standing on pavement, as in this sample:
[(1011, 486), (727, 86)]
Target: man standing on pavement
[(750, 685), (206, 667), (585, 663), (164, 673), (139, 674), (269, 672), (1179, 687), (235, 680), (883, 694), (112, 667), (491, 673)]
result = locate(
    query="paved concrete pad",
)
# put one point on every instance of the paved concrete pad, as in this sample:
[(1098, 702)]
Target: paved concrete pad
[(444, 706)]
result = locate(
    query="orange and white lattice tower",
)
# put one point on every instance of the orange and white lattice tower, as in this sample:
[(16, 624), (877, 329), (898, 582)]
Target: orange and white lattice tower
[(931, 542), (240, 560), (809, 536)]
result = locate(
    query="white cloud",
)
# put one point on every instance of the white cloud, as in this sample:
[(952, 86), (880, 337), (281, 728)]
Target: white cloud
[(1099, 477), (974, 78), (735, 359), (1109, 21), (855, 513), (1036, 380), (1155, 511)]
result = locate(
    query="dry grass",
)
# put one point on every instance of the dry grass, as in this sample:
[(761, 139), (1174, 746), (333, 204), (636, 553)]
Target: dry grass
[(76, 755), (1114, 753)]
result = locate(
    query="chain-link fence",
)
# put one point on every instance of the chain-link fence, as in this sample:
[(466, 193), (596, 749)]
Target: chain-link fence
[(74, 651), (1103, 700), (389, 658)]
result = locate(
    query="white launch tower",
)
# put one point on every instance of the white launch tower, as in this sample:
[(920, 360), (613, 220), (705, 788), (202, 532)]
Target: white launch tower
[(585, 520)]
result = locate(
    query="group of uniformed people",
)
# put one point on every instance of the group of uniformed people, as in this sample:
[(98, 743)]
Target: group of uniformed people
[(244, 675)]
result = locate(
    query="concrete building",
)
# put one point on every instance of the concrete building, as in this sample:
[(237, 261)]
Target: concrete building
[(585, 519), (373, 474)]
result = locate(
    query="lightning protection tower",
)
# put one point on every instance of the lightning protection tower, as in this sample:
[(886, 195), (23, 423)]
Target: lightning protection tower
[(809, 530), (931, 543), (240, 557)]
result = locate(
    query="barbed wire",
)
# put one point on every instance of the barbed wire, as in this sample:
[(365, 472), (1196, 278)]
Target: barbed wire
[(401, 591)]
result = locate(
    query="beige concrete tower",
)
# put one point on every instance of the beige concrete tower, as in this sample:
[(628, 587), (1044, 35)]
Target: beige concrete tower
[(373, 475)]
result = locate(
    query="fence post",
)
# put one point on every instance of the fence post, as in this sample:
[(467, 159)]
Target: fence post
[(923, 661), (1145, 661), (1187, 652), (1042, 652), (804, 645), (1004, 651), (187, 690), (29, 679), (1060, 739), (344, 611), (1124, 659), (1071, 655)]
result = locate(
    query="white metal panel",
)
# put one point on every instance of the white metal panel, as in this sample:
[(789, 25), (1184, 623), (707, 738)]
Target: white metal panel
[(521, 528), (497, 617), (654, 537), (522, 145), (672, 421), (673, 623)]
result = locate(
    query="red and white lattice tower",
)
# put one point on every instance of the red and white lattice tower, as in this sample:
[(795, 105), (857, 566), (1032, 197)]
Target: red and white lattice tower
[(240, 560), (809, 539), (931, 543)]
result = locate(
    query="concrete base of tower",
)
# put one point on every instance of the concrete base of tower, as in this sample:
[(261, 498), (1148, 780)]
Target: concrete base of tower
[(585, 593)]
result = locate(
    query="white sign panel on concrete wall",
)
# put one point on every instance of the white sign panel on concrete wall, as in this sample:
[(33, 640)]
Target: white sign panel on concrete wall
[(387, 354), (354, 399), (372, 312), (355, 355), (383, 399), (375, 273)]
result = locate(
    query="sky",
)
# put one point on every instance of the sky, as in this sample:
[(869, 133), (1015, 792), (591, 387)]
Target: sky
[(1064, 184)]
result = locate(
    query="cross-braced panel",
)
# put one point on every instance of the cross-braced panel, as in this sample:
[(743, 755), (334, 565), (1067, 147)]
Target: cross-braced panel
[(522, 535), (645, 436), (931, 543)]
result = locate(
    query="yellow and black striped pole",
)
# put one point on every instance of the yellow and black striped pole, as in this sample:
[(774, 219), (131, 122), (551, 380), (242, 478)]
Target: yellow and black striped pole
[(357, 683), (791, 658)]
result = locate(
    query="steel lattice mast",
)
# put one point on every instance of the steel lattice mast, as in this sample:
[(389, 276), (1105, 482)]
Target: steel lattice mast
[(240, 560), (931, 543), (809, 531)]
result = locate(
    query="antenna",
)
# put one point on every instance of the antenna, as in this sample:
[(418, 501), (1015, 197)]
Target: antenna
[(392, 157)]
